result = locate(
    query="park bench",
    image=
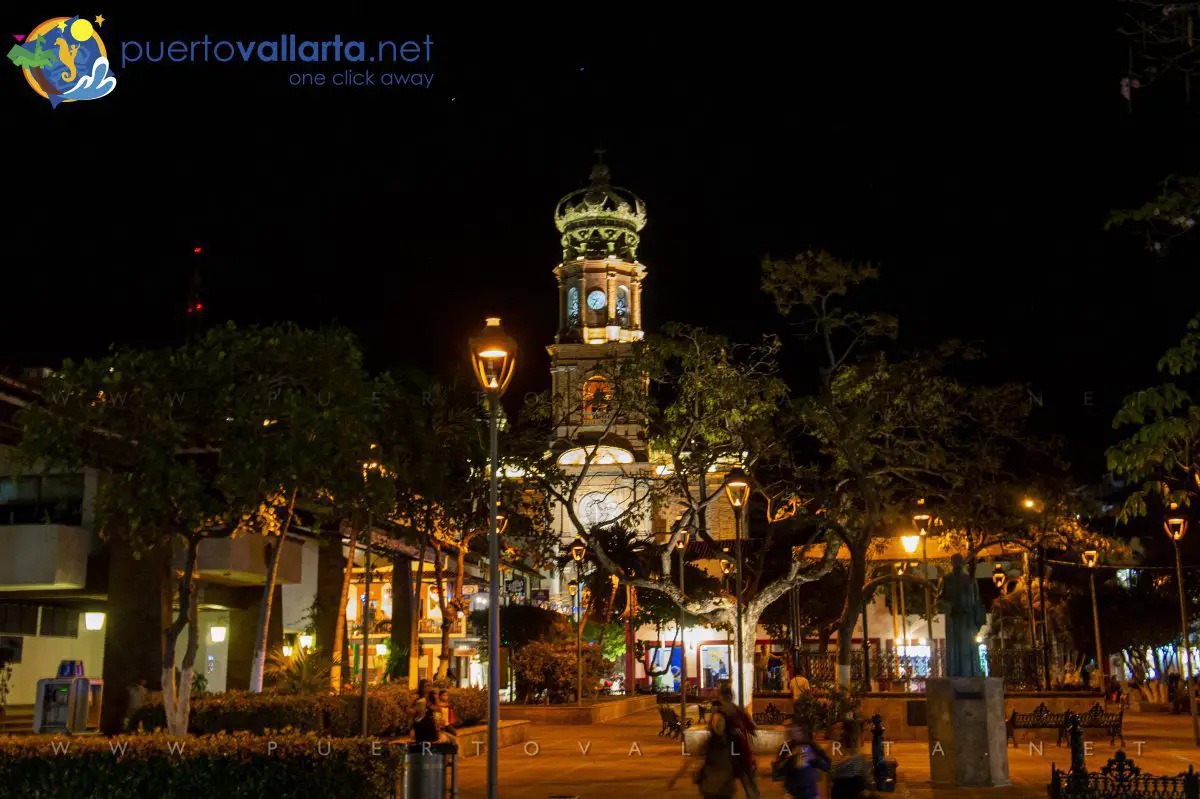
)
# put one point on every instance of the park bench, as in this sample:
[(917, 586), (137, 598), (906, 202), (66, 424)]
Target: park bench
[(1041, 718), (1096, 717), (671, 725), (771, 716)]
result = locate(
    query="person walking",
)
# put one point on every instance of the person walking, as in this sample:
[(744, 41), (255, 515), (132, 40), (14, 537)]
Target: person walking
[(798, 763), (741, 731), (715, 776)]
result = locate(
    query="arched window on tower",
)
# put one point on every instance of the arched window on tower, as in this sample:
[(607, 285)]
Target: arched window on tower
[(573, 307), (623, 306), (597, 400)]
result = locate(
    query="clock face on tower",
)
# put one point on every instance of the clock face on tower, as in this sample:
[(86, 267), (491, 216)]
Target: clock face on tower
[(596, 300)]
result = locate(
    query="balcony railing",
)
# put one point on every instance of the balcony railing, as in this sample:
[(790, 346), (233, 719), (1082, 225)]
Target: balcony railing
[(907, 673), (458, 628), (595, 418)]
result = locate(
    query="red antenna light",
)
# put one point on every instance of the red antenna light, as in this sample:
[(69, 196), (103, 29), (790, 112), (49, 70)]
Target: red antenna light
[(197, 250), (199, 306)]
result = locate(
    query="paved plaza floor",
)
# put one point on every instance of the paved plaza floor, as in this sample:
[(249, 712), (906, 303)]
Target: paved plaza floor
[(626, 759)]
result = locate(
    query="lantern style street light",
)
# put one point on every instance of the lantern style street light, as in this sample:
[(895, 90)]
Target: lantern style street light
[(922, 521), (999, 577), (493, 360), (1090, 558), (578, 550), (737, 491), (1176, 527), (910, 543)]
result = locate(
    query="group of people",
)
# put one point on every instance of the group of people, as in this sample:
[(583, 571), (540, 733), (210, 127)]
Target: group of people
[(727, 758), (433, 718)]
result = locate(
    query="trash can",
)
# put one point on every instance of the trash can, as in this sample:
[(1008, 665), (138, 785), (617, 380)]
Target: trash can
[(425, 767)]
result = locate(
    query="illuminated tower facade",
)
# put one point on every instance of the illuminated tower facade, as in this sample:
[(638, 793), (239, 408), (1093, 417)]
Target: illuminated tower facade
[(599, 320)]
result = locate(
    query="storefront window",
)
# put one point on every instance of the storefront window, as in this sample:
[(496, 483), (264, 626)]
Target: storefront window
[(714, 665)]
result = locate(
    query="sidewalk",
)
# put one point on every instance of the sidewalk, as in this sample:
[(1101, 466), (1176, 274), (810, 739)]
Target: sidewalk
[(626, 759)]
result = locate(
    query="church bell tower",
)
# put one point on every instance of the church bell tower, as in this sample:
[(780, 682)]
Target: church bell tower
[(599, 322)]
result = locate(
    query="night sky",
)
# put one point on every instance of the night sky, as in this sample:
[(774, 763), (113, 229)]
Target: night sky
[(974, 159)]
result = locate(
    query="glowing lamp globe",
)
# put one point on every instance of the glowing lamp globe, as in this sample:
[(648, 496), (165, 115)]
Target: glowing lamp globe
[(737, 487), (217, 634), (1176, 527), (998, 576), (1090, 557), (306, 641), (910, 543), (93, 621), (493, 357), (578, 549)]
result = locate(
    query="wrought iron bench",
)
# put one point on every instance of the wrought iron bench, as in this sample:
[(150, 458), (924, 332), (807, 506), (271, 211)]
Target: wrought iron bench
[(1041, 718), (671, 724), (1096, 717), (771, 716)]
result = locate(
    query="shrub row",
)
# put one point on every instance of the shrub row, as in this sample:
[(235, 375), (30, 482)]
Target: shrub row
[(389, 712), (239, 765)]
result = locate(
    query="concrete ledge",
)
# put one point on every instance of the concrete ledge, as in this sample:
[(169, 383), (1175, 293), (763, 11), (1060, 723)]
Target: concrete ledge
[(510, 733), (768, 741), (594, 713)]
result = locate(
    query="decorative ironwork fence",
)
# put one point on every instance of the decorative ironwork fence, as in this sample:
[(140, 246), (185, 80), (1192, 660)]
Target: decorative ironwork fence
[(896, 672), (891, 671), (1119, 779), (821, 668), (1122, 779), (1020, 668)]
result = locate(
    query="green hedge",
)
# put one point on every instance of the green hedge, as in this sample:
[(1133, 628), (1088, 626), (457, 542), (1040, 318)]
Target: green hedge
[(389, 712), (219, 765)]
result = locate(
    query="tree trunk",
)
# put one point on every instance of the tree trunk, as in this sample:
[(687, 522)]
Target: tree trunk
[(258, 664), (850, 612), (177, 694), (419, 612), (402, 617), (339, 630), (447, 622), (749, 629)]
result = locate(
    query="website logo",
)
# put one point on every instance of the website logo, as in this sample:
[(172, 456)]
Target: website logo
[(64, 60)]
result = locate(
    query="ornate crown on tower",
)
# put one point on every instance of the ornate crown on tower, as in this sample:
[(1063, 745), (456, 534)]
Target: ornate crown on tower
[(600, 221)]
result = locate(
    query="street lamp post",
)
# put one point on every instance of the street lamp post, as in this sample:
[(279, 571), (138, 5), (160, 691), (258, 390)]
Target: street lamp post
[(922, 520), (1032, 504), (578, 550), (1089, 559), (1175, 528), (737, 491), (681, 545), (366, 617), (493, 359)]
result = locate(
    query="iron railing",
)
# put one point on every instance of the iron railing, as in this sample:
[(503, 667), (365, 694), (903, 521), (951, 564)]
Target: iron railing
[(1120, 778), (892, 671), (434, 627), (1020, 668)]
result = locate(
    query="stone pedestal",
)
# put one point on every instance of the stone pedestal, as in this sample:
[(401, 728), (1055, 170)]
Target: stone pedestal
[(967, 743)]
